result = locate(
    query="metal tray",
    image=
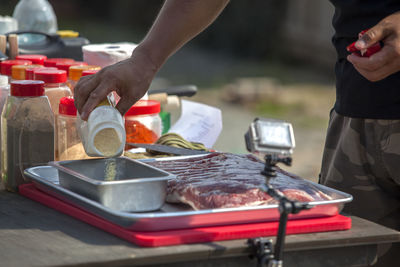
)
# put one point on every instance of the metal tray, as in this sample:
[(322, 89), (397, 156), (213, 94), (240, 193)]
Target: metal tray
[(118, 183), (173, 216)]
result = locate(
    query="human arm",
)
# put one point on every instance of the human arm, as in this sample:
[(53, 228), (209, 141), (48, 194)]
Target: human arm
[(385, 62), (177, 22)]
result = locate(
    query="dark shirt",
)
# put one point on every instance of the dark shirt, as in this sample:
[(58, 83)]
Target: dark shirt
[(355, 95)]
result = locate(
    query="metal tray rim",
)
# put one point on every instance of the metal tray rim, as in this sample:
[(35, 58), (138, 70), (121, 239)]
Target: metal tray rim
[(149, 215), (57, 165)]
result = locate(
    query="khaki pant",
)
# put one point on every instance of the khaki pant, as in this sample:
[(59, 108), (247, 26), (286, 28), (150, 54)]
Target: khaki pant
[(362, 157)]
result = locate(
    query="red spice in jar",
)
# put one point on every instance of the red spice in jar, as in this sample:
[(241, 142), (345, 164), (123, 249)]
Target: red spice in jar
[(136, 132)]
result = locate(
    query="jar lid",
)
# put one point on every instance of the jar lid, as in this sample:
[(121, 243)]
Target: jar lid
[(27, 88), (51, 62), (65, 65), (50, 76), (143, 107), (89, 72), (75, 72), (67, 106), (5, 67), (29, 72), (36, 59), (18, 72)]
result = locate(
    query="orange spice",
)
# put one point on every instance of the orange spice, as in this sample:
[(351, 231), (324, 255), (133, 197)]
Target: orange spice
[(136, 132)]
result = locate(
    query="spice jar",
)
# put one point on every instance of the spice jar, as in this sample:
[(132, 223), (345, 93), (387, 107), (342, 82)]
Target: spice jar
[(52, 62), (103, 134), (75, 73), (35, 59), (29, 72), (27, 134), (6, 65), (143, 122), (69, 145), (55, 85), (18, 72)]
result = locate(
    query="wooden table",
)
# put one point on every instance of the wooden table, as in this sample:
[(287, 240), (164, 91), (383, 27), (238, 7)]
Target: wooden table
[(32, 234)]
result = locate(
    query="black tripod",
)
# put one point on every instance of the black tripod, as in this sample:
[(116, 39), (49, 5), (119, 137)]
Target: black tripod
[(263, 247)]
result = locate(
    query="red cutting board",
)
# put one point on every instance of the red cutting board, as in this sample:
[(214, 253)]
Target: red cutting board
[(193, 235)]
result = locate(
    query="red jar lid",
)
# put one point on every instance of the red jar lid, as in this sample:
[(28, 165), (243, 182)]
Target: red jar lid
[(143, 107), (29, 72), (27, 88), (51, 62), (89, 72), (65, 65), (5, 67), (36, 59), (67, 106), (50, 76)]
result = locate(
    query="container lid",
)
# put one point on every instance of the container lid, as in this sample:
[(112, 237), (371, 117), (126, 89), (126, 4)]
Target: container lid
[(67, 106), (75, 72), (29, 72), (51, 62), (5, 67), (89, 72), (36, 59), (143, 107), (50, 76), (27, 88), (65, 65), (18, 72)]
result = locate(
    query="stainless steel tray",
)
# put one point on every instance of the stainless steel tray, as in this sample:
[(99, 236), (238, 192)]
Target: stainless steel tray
[(173, 216), (118, 183)]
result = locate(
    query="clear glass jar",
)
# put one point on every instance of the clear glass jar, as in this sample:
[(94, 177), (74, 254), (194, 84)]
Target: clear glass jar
[(27, 132), (55, 85), (143, 123), (69, 145)]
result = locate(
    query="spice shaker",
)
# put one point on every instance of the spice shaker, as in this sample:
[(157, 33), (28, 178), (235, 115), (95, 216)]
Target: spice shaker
[(69, 145), (143, 123), (55, 85), (103, 134), (27, 134), (52, 62), (18, 72), (75, 73)]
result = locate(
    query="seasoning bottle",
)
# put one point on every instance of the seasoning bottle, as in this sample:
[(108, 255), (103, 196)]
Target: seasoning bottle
[(27, 132), (55, 85), (75, 73), (52, 62), (18, 72), (35, 59), (143, 123), (69, 144), (6, 65), (29, 72), (103, 134)]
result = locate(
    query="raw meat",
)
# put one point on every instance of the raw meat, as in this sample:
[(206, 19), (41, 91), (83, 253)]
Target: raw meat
[(223, 180)]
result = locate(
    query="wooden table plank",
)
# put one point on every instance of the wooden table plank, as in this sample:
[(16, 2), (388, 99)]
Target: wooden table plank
[(32, 234)]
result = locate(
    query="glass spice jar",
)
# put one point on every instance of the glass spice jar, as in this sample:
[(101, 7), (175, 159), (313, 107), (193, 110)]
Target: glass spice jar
[(27, 132), (55, 85), (69, 145), (143, 123)]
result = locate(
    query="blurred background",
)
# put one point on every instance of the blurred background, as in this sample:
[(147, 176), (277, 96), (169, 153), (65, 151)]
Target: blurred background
[(260, 58)]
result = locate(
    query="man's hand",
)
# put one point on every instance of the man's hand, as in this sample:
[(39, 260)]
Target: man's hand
[(385, 62), (130, 78)]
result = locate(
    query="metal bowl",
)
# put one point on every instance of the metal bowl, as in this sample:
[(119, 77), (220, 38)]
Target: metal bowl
[(119, 183)]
